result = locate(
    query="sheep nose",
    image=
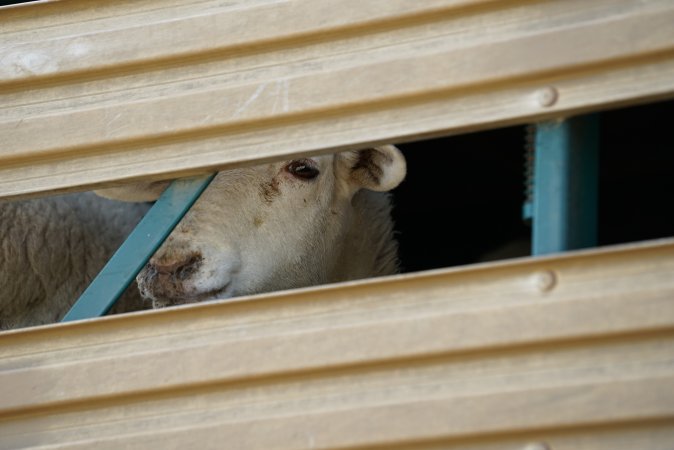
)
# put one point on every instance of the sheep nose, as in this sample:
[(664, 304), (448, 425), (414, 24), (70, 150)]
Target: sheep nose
[(180, 266)]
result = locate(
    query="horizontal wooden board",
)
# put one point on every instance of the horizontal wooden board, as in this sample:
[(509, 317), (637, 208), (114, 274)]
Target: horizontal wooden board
[(566, 352), (98, 93)]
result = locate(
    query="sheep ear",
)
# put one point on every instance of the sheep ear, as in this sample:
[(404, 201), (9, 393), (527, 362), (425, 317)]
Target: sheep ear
[(136, 192), (377, 169)]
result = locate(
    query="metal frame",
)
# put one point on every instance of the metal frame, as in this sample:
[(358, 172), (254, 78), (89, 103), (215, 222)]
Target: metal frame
[(565, 185)]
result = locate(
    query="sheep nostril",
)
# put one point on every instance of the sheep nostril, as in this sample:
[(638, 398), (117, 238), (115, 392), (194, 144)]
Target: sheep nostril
[(189, 267), (180, 268)]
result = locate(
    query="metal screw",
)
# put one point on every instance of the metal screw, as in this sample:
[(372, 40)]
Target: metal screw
[(547, 96)]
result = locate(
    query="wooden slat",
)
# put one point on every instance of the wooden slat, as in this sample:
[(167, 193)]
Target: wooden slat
[(92, 96), (572, 351)]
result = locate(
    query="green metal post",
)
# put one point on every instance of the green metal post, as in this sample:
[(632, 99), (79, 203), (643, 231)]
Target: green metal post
[(141, 244), (564, 209)]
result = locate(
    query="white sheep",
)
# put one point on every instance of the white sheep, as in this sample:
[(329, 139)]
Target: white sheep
[(277, 226), (52, 247), (280, 225)]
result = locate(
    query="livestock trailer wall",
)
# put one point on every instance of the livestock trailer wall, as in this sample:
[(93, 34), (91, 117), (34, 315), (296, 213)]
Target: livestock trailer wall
[(573, 351)]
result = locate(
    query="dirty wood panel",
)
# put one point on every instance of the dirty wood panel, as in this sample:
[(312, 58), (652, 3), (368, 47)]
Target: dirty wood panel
[(98, 93), (565, 352)]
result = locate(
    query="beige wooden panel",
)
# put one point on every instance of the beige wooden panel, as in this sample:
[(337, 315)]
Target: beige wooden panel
[(95, 92), (565, 352)]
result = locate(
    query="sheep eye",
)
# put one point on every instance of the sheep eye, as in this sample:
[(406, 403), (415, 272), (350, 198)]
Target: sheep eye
[(303, 168)]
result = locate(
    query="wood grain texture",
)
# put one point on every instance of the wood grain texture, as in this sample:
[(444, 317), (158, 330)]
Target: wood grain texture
[(96, 94), (572, 352)]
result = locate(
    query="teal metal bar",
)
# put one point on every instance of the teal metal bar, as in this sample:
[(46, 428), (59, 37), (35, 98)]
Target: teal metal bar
[(141, 244), (564, 215), (529, 151)]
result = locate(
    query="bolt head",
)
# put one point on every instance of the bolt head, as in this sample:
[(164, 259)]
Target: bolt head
[(547, 96), (544, 280), (537, 446)]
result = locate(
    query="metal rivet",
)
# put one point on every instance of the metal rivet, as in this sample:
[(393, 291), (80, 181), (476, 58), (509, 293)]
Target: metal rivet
[(537, 446), (547, 96), (544, 280)]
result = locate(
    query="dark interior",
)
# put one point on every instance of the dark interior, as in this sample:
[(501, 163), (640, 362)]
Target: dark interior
[(463, 195)]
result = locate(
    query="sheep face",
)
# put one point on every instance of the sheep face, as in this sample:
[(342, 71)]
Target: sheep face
[(269, 227), (254, 229)]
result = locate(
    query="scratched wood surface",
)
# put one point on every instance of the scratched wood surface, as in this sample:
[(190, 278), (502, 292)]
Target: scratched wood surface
[(96, 93), (572, 352)]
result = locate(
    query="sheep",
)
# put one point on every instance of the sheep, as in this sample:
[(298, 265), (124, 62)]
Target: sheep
[(275, 226), (52, 247)]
